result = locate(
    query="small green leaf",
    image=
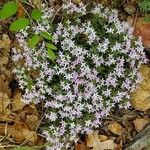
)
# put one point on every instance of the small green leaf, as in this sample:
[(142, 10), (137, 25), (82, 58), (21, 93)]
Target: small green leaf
[(8, 10), (33, 41), (24, 1), (51, 54), (51, 46), (46, 36), (19, 24), (36, 14)]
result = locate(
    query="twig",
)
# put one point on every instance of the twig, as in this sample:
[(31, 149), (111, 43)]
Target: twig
[(135, 18)]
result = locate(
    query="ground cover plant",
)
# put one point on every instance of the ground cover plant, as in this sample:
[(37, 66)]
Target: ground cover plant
[(80, 67)]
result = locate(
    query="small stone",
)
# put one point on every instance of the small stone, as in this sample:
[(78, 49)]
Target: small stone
[(115, 128), (144, 70), (141, 96), (103, 137), (140, 123), (141, 100), (130, 9)]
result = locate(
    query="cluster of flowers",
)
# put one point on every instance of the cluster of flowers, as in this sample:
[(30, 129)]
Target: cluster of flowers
[(96, 67)]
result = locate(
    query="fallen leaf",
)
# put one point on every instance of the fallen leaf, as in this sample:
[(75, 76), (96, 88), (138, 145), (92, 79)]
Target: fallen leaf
[(93, 140), (115, 128), (103, 138), (20, 132), (4, 88), (4, 104), (5, 42), (17, 103), (81, 146), (19, 128), (21, 11), (140, 123), (32, 121)]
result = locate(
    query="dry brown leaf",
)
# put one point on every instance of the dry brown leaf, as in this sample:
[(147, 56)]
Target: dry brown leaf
[(5, 43), (17, 103), (115, 128), (4, 103), (4, 88), (103, 138), (81, 146), (93, 140), (30, 116), (140, 123), (19, 132), (7, 73), (32, 121), (21, 11)]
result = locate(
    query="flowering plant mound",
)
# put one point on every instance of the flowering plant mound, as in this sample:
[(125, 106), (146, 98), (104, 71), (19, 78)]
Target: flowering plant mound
[(95, 67)]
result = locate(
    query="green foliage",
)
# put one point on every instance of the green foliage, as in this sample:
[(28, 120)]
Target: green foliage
[(19, 24), (145, 6), (51, 46), (33, 41), (8, 10), (24, 1), (51, 54), (46, 35), (146, 19), (36, 14)]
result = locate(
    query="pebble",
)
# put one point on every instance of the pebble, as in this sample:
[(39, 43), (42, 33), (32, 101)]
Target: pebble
[(130, 9), (115, 128), (140, 123)]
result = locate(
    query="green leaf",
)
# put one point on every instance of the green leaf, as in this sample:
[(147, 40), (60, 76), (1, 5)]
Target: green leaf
[(146, 19), (46, 36), (51, 54), (8, 10), (19, 24), (33, 41), (36, 14), (24, 1), (51, 46)]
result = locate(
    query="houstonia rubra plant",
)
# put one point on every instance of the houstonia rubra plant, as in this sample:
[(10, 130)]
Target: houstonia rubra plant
[(94, 67)]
